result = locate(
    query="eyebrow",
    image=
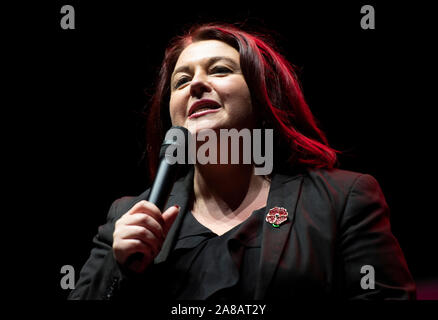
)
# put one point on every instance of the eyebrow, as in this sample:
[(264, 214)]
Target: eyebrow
[(210, 61)]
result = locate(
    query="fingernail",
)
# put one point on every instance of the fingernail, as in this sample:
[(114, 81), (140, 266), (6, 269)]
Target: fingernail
[(177, 206)]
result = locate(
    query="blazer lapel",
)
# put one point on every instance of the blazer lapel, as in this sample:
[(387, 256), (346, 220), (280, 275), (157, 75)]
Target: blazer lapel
[(284, 192), (179, 195)]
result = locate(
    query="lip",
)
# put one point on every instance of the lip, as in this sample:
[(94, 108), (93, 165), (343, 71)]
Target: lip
[(202, 102), (200, 114)]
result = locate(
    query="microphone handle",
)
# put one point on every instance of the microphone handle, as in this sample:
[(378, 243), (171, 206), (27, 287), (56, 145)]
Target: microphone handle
[(158, 195), (163, 184)]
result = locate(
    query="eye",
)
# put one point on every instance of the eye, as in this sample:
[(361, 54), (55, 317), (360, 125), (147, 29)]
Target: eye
[(181, 81), (220, 70)]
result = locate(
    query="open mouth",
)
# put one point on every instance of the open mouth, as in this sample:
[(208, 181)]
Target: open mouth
[(203, 107)]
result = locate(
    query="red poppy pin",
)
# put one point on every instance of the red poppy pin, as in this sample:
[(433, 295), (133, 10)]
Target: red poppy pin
[(276, 216)]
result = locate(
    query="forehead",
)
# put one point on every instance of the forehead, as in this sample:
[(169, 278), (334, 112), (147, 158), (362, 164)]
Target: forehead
[(203, 50)]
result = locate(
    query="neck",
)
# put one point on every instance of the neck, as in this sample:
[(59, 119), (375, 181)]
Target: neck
[(228, 189)]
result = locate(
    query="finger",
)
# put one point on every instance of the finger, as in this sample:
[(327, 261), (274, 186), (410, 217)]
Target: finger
[(169, 217), (144, 220), (148, 208), (131, 246), (143, 234), (132, 243)]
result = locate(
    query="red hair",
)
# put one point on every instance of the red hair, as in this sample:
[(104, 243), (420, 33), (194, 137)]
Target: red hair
[(276, 96)]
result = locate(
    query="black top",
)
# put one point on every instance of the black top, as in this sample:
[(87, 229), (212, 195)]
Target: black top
[(204, 265), (338, 222)]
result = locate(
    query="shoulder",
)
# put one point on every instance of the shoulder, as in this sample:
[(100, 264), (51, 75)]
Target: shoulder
[(338, 186), (342, 180)]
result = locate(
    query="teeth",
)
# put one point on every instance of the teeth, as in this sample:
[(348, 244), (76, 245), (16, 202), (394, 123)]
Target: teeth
[(206, 108)]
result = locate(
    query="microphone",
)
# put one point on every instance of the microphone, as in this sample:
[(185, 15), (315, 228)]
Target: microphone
[(167, 172), (176, 138)]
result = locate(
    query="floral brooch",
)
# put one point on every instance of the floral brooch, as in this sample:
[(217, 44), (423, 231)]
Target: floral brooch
[(276, 216)]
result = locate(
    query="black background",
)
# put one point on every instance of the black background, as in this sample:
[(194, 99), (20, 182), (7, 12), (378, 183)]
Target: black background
[(370, 90)]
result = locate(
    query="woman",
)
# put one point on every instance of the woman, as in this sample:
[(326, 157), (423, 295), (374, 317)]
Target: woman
[(306, 230)]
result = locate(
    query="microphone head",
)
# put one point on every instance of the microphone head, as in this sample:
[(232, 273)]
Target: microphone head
[(178, 137)]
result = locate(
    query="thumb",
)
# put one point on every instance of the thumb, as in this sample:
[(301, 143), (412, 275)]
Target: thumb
[(169, 217)]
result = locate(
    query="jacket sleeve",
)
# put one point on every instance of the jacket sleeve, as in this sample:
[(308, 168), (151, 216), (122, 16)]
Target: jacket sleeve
[(101, 277), (373, 262)]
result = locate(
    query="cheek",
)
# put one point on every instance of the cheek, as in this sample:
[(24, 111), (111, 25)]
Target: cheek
[(238, 96), (176, 109)]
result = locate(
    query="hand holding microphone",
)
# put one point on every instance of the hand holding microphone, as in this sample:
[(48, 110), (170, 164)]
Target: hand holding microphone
[(140, 232)]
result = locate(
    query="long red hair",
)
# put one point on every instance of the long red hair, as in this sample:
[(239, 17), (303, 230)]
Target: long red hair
[(275, 93)]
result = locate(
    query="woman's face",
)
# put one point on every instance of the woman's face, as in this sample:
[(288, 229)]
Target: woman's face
[(208, 90)]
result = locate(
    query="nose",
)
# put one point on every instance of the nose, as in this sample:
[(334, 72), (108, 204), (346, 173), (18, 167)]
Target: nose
[(199, 85)]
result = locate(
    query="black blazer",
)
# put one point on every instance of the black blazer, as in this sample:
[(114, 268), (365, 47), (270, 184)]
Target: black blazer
[(338, 223)]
